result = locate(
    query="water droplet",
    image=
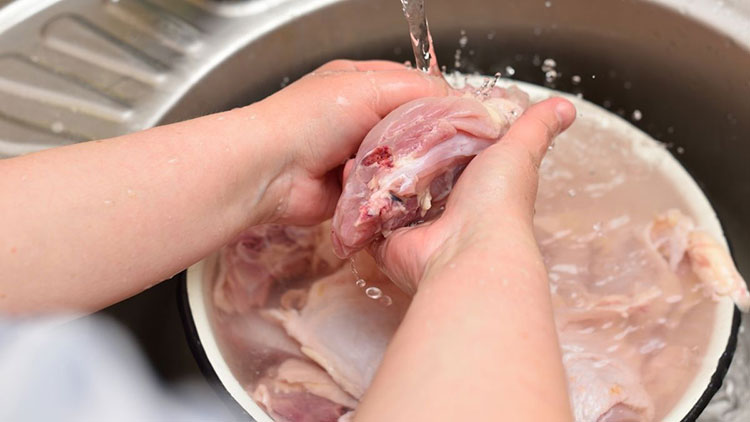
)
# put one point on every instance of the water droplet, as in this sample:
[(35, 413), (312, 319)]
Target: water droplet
[(670, 130), (488, 85), (463, 39), (551, 76), (597, 227), (373, 293), (549, 64), (386, 300), (285, 81), (680, 150), (510, 70), (575, 79), (547, 3), (537, 31), (536, 60), (571, 193), (637, 115), (491, 35), (360, 283), (457, 59), (593, 76), (57, 127)]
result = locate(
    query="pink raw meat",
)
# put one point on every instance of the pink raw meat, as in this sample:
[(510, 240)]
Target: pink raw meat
[(342, 329), (264, 254), (408, 163), (300, 391), (603, 389)]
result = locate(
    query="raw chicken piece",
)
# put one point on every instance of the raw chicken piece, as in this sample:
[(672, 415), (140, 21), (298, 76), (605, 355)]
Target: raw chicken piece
[(349, 417), (295, 404), (343, 330), (268, 253), (604, 390), (673, 234), (315, 380), (250, 341), (408, 163), (608, 276), (300, 391)]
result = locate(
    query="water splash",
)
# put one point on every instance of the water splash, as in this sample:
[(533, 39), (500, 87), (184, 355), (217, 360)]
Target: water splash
[(549, 67), (487, 86), (421, 40), (372, 292)]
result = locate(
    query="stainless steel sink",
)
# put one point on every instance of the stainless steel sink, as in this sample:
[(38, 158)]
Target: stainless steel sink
[(73, 70)]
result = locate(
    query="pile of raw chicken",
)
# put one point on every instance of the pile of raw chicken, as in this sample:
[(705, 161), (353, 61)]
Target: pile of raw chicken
[(299, 331)]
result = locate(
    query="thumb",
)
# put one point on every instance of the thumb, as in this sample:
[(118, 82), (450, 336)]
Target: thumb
[(538, 126), (503, 178)]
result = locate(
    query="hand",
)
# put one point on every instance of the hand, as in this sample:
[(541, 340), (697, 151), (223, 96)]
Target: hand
[(333, 109), (491, 206)]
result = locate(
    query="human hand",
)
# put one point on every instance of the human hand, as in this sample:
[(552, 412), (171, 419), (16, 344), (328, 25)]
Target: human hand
[(491, 206), (318, 123)]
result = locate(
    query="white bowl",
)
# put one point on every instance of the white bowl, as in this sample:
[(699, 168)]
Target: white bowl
[(197, 308)]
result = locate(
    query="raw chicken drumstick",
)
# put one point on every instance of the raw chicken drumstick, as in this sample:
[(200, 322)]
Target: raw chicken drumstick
[(409, 162)]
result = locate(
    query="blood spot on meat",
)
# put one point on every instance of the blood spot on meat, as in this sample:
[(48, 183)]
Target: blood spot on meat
[(380, 155), (253, 243)]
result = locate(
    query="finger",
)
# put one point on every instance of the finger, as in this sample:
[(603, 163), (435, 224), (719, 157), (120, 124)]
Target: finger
[(343, 65), (538, 126), (400, 264), (348, 168), (377, 65), (343, 107), (390, 89)]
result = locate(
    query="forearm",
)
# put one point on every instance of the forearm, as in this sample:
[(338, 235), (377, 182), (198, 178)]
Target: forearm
[(487, 305), (90, 224)]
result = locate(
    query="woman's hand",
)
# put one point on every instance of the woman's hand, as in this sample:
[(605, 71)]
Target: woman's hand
[(491, 206), (90, 224), (319, 122), (478, 342)]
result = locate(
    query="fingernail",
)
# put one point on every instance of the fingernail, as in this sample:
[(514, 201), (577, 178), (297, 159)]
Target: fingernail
[(566, 113)]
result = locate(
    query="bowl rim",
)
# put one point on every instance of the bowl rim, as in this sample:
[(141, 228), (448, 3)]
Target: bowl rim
[(193, 339)]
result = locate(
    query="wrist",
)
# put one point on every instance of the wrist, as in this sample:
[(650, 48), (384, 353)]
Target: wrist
[(256, 163), (493, 254)]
